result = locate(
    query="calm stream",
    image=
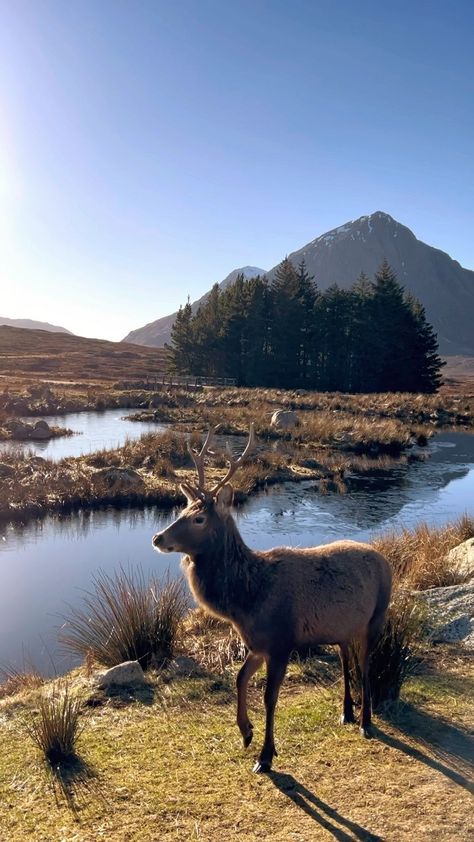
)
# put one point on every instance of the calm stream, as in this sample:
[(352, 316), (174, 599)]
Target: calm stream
[(94, 431), (45, 565)]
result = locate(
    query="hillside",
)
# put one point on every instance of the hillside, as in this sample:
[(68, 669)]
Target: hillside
[(158, 333), (31, 324), (63, 356), (445, 288)]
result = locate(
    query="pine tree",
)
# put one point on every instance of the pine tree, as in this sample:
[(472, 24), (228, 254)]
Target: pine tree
[(256, 334), (424, 371), (306, 296), (182, 341), (362, 366), (334, 318), (388, 342)]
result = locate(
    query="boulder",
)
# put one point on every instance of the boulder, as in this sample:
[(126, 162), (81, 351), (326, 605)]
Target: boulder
[(184, 666), (18, 430), (283, 419), (461, 560), (6, 471), (124, 476), (40, 431), (123, 675), (452, 611)]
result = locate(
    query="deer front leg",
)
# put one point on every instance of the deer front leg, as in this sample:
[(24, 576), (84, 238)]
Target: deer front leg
[(249, 668), (348, 706), (276, 668)]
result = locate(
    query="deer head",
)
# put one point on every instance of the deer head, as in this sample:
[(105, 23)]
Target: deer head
[(206, 509)]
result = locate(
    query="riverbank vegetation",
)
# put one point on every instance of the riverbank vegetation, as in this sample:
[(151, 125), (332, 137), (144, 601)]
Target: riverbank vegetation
[(333, 437)]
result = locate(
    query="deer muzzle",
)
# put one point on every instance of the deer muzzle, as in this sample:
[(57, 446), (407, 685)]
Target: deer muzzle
[(162, 542)]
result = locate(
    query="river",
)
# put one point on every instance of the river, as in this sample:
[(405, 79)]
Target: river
[(92, 431), (46, 565)]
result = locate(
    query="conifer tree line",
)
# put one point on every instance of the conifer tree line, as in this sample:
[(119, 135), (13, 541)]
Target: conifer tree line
[(373, 337)]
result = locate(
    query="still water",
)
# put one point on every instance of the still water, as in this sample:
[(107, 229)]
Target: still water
[(93, 431), (46, 565)]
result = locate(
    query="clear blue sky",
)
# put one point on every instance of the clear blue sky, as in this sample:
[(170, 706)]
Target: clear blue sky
[(150, 147)]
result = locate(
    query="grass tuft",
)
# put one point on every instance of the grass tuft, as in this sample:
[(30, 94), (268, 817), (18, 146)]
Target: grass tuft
[(56, 727), (397, 652), (127, 617), (14, 680)]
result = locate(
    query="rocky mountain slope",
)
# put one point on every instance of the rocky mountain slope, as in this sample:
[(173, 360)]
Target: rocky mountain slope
[(445, 288), (158, 333)]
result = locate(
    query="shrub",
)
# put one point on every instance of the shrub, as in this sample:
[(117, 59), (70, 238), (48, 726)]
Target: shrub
[(127, 618), (56, 727), (397, 652)]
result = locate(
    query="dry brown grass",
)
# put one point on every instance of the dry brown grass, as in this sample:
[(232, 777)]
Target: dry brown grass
[(419, 556), (66, 357), (14, 680)]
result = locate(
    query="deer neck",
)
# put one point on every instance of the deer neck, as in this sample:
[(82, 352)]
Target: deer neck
[(226, 576)]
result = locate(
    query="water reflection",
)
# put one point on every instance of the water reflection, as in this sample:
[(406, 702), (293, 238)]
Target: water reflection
[(94, 431), (45, 564)]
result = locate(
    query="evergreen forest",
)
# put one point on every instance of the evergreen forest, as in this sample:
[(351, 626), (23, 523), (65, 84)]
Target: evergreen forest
[(373, 337)]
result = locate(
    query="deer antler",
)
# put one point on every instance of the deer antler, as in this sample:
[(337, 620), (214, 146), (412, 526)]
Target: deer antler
[(198, 459), (234, 464)]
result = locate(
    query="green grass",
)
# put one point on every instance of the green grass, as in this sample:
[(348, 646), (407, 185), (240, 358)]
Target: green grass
[(175, 769)]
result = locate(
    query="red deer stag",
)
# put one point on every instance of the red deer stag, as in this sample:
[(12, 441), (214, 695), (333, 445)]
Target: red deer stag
[(278, 600)]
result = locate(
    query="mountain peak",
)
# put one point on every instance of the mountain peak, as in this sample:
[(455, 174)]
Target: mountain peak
[(360, 245)]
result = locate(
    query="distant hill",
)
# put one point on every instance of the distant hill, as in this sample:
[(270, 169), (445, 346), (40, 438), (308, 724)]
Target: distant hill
[(444, 287), (65, 357), (158, 333), (30, 324)]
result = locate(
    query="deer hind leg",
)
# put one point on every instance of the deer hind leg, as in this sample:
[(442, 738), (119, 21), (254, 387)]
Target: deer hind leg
[(249, 668), (276, 668), (347, 715), (367, 644)]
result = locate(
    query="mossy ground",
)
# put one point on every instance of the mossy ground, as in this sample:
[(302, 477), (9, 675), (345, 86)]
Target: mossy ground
[(169, 766)]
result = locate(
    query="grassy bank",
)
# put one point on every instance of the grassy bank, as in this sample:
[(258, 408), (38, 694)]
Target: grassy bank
[(168, 765)]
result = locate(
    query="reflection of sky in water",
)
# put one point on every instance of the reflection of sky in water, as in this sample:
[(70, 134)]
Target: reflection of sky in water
[(44, 565), (96, 430)]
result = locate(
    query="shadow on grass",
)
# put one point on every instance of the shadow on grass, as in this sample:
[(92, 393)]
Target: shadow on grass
[(120, 696), (453, 747), (76, 781), (319, 811)]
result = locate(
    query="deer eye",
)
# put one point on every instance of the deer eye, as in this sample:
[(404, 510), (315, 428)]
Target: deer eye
[(199, 519)]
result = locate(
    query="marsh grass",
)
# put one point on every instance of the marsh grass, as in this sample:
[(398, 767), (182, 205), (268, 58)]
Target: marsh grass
[(127, 617), (15, 680), (419, 556), (56, 724)]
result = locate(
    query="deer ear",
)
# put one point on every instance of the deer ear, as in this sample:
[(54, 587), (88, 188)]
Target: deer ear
[(224, 497), (188, 492)]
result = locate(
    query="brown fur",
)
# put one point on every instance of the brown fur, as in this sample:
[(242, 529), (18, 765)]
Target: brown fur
[(282, 599)]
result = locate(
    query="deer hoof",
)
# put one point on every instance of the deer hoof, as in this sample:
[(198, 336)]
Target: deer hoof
[(248, 739), (347, 719), (365, 732), (262, 766)]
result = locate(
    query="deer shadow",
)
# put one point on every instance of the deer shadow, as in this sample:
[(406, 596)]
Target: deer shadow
[(317, 809), (452, 747), (121, 696)]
